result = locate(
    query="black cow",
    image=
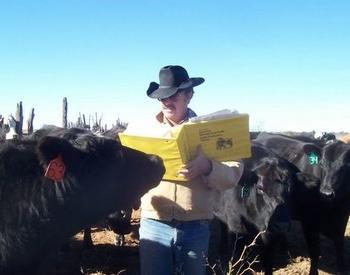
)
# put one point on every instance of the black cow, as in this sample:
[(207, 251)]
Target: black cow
[(330, 164), (261, 201), (299, 150), (118, 221), (53, 186), (278, 192), (336, 171)]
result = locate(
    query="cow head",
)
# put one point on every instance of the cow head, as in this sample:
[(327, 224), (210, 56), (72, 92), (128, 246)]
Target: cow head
[(105, 172), (275, 177), (272, 178), (336, 171)]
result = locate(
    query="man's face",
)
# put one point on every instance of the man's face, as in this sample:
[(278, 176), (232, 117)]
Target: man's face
[(174, 107)]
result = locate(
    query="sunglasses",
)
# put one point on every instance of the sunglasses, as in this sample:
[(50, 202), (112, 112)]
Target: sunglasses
[(173, 97)]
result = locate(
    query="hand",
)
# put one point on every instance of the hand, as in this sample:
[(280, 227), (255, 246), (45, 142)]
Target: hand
[(201, 165)]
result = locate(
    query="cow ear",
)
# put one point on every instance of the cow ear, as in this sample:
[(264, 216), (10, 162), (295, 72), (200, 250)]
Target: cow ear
[(309, 180), (51, 147), (311, 148)]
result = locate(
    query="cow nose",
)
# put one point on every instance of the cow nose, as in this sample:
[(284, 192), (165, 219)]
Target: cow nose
[(327, 190), (155, 158), (158, 161), (328, 195)]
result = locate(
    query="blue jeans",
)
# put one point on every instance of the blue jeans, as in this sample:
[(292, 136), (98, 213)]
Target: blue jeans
[(174, 247)]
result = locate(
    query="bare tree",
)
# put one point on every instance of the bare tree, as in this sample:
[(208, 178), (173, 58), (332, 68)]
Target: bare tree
[(241, 266)]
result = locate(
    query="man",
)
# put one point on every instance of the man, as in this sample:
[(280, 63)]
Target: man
[(174, 230)]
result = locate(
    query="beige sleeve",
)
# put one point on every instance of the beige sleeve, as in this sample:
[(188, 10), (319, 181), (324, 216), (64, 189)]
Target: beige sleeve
[(224, 175)]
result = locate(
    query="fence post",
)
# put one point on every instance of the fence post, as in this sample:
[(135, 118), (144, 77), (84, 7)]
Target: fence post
[(30, 122), (19, 119), (64, 115)]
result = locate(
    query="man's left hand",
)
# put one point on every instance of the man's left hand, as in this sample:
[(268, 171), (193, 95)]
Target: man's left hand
[(201, 165)]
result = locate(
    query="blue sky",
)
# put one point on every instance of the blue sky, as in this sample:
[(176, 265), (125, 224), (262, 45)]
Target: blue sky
[(285, 63)]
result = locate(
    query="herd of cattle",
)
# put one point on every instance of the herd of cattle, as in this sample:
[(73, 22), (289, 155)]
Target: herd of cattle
[(57, 182), (292, 178)]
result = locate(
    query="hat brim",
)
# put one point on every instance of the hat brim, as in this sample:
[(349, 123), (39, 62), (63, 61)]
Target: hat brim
[(156, 91)]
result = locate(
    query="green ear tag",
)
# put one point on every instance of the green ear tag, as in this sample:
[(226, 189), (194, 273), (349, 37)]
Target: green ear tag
[(312, 158), (244, 191)]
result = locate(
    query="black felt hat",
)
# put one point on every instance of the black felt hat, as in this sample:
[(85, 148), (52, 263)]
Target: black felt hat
[(172, 78)]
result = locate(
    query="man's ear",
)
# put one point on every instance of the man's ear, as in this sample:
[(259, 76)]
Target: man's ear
[(189, 96)]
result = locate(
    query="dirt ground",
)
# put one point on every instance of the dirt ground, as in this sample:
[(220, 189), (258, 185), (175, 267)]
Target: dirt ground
[(107, 258)]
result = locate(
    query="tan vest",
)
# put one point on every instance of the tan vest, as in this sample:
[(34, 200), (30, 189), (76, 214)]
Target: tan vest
[(190, 200)]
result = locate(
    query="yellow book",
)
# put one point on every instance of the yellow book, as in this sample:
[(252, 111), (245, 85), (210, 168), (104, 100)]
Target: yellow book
[(221, 139)]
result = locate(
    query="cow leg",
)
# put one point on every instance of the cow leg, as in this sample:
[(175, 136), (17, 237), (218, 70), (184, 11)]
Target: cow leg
[(313, 244), (219, 250), (87, 238), (119, 239), (339, 248), (338, 240), (266, 254)]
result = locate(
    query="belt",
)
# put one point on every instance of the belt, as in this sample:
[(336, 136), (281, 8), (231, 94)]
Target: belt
[(176, 223)]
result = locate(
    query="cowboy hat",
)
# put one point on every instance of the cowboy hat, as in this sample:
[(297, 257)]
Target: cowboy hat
[(172, 78)]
